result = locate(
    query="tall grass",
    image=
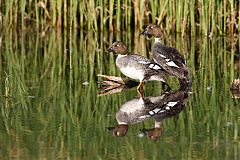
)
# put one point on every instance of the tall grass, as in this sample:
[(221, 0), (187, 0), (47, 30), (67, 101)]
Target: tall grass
[(185, 16)]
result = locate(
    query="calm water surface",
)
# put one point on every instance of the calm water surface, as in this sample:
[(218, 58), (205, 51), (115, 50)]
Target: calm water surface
[(50, 108)]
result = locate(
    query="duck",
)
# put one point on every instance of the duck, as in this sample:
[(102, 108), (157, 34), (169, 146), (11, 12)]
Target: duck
[(143, 108), (136, 66), (169, 58)]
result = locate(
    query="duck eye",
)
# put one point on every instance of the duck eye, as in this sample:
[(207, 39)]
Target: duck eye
[(151, 27), (118, 45)]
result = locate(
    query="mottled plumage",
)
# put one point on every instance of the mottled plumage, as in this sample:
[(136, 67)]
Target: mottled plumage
[(173, 62), (136, 66), (167, 57), (160, 107), (140, 109)]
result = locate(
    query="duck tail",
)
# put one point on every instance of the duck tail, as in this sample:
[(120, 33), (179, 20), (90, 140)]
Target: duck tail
[(185, 83)]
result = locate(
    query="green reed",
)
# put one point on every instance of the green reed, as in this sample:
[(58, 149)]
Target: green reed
[(195, 17)]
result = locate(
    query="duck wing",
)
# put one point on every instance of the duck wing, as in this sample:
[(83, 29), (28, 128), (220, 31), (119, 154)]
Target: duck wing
[(141, 62), (168, 53), (170, 60)]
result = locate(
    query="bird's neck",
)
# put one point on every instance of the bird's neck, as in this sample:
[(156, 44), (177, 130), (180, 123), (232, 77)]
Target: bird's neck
[(122, 55), (158, 124), (157, 40)]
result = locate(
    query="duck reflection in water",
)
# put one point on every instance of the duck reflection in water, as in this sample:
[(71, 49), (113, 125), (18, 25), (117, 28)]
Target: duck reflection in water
[(143, 108)]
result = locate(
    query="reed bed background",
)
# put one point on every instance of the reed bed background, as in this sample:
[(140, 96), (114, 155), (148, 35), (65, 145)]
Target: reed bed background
[(207, 17)]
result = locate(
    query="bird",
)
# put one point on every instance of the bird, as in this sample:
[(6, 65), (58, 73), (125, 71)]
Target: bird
[(136, 66), (169, 58), (141, 109)]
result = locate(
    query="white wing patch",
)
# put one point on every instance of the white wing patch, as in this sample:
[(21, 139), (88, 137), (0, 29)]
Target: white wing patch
[(161, 55), (167, 60), (151, 66), (154, 66), (151, 113), (167, 108), (172, 64), (171, 104), (156, 78), (156, 110)]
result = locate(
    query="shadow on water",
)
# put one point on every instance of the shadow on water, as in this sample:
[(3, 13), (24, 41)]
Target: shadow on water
[(50, 108)]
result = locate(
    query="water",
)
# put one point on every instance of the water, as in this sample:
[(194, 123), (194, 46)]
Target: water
[(50, 108)]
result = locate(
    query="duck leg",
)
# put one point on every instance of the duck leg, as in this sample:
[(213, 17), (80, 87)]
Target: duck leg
[(141, 94), (143, 86), (140, 85), (140, 88)]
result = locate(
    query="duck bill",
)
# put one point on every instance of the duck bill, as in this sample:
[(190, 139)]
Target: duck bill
[(144, 33), (110, 129), (110, 49)]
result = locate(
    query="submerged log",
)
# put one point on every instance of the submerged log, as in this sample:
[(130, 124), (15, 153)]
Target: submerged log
[(111, 80), (112, 84)]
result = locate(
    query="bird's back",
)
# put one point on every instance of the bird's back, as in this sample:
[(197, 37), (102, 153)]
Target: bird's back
[(170, 60)]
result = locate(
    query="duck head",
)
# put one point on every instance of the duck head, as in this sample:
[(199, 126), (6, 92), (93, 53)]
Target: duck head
[(152, 30), (118, 47), (119, 130)]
